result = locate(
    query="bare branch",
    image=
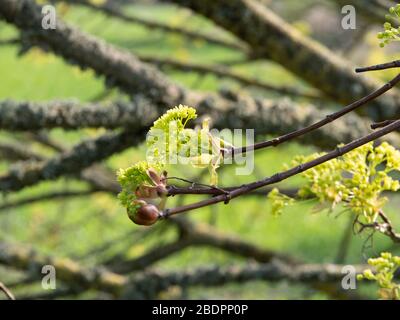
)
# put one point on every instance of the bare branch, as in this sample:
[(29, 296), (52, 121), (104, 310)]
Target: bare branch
[(221, 71), (150, 283), (388, 228), (46, 197), (381, 124), (382, 66), (67, 270), (265, 116), (128, 73), (328, 118), (385, 227), (15, 151), (73, 161), (111, 10), (372, 10), (8, 42), (31, 116)]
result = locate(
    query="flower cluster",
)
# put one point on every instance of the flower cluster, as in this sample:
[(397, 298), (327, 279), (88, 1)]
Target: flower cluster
[(170, 142), (145, 182), (355, 180), (279, 201), (385, 266), (390, 32)]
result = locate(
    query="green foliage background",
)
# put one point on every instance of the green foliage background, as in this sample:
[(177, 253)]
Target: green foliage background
[(74, 227)]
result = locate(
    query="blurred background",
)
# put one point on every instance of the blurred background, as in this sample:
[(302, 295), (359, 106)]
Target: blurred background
[(92, 228)]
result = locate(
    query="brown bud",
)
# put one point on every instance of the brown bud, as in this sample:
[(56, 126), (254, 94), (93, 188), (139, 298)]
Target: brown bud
[(154, 176), (146, 215)]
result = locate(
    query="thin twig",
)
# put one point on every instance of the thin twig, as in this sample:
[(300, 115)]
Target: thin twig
[(46, 197), (112, 11), (223, 72), (174, 190), (6, 291), (382, 66), (328, 119), (388, 227), (385, 228), (381, 124), (11, 41)]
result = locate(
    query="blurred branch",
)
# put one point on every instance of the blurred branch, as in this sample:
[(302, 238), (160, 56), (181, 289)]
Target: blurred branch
[(270, 36), (99, 177), (15, 151), (31, 116), (72, 161), (385, 227), (371, 10), (50, 295), (46, 197), (178, 190), (152, 256), (72, 273), (113, 11), (381, 124), (120, 68), (280, 176), (131, 75), (149, 284), (45, 140), (223, 72), (345, 241), (381, 66), (11, 41), (265, 116)]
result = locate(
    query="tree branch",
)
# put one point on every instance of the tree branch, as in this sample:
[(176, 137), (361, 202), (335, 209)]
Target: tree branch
[(149, 284), (382, 66), (328, 118), (284, 174), (46, 197), (131, 75), (385, 227), (16, 151), (73, 161), (111, 10), (31, 116), (223, 72)]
